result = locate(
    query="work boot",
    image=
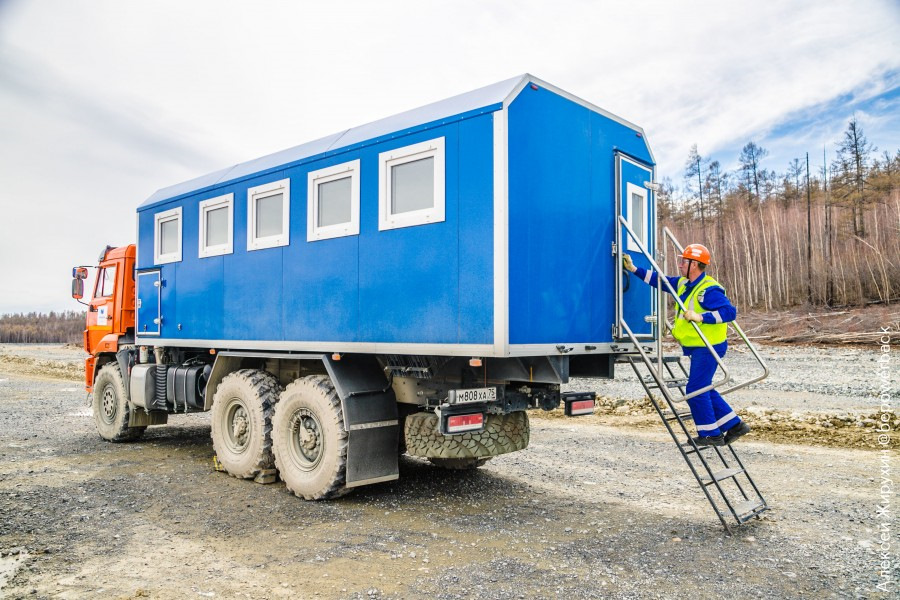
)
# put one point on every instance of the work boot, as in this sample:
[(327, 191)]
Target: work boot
[(710, 440), (736, 432)]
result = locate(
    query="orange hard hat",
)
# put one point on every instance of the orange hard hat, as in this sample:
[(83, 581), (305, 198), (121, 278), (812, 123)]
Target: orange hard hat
[(697, 252)]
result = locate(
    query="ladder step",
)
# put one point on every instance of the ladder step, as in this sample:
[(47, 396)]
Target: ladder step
[(685, 415), (669, 383), (720, 475), (688, 449), (747, 508)]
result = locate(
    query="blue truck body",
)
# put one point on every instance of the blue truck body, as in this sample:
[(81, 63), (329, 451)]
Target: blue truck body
[(520, 264)]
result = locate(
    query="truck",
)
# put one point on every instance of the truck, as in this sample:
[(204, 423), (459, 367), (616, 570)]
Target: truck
[(413, 285)]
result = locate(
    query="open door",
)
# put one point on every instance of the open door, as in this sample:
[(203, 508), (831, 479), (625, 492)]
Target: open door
[(635, 301)]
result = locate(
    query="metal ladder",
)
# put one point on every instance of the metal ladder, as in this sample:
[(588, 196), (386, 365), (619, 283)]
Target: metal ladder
[(718, 470)]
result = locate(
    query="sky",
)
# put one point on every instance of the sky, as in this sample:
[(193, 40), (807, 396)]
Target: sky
[(104, 102)]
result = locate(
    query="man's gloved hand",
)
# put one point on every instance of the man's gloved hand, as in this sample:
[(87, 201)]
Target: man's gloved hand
[(627, 264), (692, 316)]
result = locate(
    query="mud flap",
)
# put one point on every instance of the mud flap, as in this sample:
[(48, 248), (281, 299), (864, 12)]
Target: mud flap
[(370, 418)]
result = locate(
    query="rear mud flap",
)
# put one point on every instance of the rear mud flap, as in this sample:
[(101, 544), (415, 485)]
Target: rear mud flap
[(370, 418)]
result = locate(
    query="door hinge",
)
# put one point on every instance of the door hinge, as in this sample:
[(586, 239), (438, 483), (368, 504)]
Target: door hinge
[(615, 249)]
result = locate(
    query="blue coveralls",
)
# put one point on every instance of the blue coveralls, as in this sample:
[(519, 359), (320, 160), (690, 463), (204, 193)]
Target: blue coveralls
[(712, 415)]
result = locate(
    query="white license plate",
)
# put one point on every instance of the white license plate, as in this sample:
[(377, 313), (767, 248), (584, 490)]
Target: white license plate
[(473, 395)]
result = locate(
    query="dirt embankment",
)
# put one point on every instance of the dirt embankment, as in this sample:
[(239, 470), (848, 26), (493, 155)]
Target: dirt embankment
[(854, 325)]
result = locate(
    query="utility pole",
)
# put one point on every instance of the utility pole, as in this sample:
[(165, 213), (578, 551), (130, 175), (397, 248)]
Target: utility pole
[(808, 235), (829, 275), (700, 189)]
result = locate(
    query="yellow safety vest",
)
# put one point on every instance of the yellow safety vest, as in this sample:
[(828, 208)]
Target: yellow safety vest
[(683, 331)]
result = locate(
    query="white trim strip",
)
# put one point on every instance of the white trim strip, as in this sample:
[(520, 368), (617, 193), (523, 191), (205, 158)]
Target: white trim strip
[(501, 234), (648, 276), (374, 425), (325, 347), (716, 316), (716, 425), (373, 480)]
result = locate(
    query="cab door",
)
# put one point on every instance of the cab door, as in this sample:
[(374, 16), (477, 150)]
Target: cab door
[(101, 311), (635, 301)]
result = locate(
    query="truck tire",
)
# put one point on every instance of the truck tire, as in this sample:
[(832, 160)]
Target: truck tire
[(242, 422), (309, 439), (501, 434), (110, 406)]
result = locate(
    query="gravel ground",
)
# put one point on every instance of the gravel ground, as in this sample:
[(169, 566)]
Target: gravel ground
[(589, 510)]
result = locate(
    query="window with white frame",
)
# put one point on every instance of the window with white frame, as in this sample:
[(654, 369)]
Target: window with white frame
[(268, 215), (637, 215), (333, 202), (216, 226), (167, 237), (411, 185)]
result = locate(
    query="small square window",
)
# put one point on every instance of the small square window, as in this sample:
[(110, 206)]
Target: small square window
[(333, 202), (167, 237), (637, 215), (216, 226), (411, 185), (268, 215)]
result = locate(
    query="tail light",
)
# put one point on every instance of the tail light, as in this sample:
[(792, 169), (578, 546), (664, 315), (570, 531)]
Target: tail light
[(462, 423), (579, 403)]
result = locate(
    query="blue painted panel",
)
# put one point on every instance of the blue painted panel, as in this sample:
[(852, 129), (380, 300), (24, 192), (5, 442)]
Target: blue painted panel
[(562, 216), (252, 307), (637, 300), (409, 277), (201, 292), (148, 308), (476, 231), (167, 299), (551, 224), (321, 278)]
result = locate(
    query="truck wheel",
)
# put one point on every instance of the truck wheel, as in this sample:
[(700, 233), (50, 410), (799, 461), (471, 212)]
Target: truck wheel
[(242, 422), (111, 406), (458, 464), (501, 434), (309, 439)]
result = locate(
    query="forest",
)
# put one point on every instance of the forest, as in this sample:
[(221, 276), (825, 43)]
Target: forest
[(827, 238), (42, 328)]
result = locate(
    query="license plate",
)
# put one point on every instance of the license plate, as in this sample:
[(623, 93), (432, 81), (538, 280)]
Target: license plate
[(473, 395)]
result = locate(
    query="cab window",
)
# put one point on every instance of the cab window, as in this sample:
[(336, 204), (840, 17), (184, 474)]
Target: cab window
[(106, 282)]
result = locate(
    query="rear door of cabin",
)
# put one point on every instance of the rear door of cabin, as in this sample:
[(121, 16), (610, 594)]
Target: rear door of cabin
[(635, 300)]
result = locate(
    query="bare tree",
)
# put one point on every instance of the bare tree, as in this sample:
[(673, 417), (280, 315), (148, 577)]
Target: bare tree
[(693, 168), (851, 166), (750, 157)]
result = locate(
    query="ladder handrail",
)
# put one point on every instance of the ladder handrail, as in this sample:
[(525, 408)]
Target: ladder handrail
[(667, 233), (726, 376)]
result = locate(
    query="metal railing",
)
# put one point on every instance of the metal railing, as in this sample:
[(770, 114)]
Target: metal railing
[(663, 325)]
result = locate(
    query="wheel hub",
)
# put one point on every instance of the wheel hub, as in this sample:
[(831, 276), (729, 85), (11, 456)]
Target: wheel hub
[(306, 440), (237, 423), (108, 404)]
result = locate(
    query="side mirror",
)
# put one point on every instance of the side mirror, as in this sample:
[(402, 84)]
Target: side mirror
[(79, 274)]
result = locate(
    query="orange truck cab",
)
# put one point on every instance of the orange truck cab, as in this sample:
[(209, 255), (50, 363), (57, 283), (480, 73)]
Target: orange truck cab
[(110, 316)]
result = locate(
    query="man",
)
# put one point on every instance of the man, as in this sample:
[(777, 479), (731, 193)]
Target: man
[(709, 307)]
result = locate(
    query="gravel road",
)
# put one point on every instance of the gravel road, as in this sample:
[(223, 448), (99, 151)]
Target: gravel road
[(591, 509)]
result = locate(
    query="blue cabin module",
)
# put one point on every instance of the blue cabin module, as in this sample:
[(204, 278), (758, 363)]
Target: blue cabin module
[(481, 225)]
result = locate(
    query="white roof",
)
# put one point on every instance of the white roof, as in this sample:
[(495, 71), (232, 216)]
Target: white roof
[(496, 93)]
